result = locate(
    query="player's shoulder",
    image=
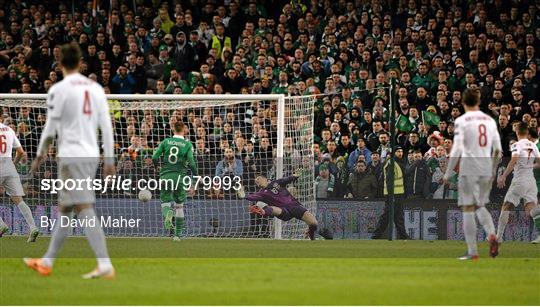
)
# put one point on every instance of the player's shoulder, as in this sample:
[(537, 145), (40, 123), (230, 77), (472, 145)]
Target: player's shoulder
[(79, 80), (527, 142), (524, 142), (95, 85), (6, 128), (530, 145), (459, 122), (188, 141), (187, 144), (480, 116), (54, 89), (491, 120), (515, 146)]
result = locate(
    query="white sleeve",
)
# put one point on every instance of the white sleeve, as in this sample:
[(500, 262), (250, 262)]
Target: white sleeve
[(55, 104), (104, 122), (514, 150), (47, 135), (16, 142), (54, 114), (457, 147), (496, 138)]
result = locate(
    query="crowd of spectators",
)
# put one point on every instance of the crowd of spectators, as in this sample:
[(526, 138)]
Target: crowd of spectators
[(346, 51)]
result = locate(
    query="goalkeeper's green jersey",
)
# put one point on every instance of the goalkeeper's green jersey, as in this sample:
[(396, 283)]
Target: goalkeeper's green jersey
[(177, 154)]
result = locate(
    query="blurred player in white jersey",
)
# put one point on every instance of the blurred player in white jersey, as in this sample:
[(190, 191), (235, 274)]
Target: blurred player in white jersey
[(477, 145), (77, 107), (525, 156), (10, 180)]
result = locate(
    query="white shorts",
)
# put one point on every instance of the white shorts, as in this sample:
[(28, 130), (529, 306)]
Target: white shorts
[(526, 190), (77, 170), (13, 185), (474, 190)]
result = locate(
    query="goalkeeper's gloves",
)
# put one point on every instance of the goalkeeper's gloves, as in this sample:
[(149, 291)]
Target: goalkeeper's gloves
[(256, 210), (241, 193)]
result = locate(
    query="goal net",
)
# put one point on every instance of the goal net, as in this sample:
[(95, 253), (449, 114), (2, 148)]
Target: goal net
[(234, 137)]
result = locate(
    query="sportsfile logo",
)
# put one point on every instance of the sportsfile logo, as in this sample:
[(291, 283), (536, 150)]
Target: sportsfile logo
[(108, 184), (119, 183)]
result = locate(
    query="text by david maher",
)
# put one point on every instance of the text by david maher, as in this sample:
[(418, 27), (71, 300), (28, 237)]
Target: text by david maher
[(104, 222)]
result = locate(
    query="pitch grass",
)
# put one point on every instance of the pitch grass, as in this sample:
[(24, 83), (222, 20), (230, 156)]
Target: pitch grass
[(267, 272)]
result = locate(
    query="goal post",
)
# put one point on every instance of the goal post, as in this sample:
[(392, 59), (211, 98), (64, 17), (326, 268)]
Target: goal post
[(279, 154), (222, 122)]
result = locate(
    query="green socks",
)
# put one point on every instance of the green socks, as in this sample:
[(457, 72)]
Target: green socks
[(168, 214), (165, 208), (177, 214), (179, 229), (536, 221)]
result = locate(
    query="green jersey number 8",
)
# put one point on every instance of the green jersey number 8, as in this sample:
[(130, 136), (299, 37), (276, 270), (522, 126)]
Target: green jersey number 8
[(173, 155)]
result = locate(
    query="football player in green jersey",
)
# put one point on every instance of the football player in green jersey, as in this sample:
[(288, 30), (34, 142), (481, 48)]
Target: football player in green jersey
[(177, 155)]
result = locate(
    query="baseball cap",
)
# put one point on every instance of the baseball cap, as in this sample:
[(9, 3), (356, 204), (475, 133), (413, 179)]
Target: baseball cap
[(377, 98)]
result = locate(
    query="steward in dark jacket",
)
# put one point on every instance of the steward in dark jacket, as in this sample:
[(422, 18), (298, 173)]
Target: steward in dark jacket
[(362, 184), (417, 177)]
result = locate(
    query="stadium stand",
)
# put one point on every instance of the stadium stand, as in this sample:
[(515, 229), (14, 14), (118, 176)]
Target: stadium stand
[(347, 51)]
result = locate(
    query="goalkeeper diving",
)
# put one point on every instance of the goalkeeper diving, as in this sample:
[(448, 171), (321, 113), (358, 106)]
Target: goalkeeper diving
[(274, 200), (177, 153)]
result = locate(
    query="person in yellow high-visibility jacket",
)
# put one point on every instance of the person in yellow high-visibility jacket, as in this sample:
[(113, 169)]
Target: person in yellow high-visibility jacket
[(115, 108), (219, 41), (166, 22), (399, 192), (297, 7)]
